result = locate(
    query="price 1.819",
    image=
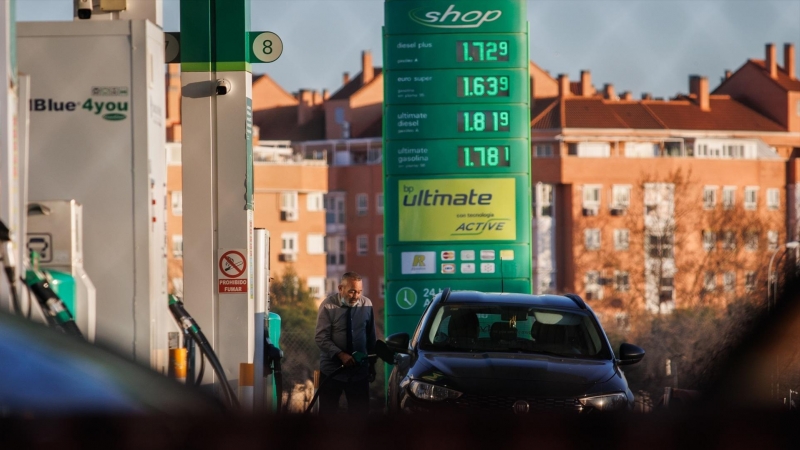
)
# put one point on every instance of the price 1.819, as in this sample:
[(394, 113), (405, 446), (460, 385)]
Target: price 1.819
[(483, 121)]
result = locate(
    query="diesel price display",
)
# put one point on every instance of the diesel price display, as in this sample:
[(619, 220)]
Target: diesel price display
[(483, 121), (481, 51)]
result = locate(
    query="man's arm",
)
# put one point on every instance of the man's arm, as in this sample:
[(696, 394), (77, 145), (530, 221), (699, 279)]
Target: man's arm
[(371, 339), (323, 336)]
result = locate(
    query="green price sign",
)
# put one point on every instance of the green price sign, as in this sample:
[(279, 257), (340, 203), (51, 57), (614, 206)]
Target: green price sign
[(456, 152)]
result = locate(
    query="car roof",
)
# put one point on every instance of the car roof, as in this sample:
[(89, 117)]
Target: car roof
[(476, 297)]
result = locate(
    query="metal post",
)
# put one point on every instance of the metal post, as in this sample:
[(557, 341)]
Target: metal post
[(261, 287), (216, 85)]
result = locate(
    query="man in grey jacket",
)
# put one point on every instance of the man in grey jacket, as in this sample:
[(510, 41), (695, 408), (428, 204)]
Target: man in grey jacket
[(345, 336)]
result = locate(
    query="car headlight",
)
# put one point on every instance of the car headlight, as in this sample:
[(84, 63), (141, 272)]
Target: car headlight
[(610, 402), (431, 392)]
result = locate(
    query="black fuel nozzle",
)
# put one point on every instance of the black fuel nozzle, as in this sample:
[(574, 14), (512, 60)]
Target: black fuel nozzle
[(272, 358), (55, 311)]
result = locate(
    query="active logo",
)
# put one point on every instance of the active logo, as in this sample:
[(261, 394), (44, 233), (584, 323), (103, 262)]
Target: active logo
[(451, 18)]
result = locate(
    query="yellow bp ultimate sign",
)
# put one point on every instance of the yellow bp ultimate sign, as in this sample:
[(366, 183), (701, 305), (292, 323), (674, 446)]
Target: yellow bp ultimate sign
[(465, 209)]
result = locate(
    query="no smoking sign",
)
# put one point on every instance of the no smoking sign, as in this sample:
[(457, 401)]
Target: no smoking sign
[(232, 272)]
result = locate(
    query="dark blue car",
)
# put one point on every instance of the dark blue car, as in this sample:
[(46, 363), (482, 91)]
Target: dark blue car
[(515, 353)]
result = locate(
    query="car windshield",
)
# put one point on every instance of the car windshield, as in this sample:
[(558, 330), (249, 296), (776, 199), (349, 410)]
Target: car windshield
[(514, 328)]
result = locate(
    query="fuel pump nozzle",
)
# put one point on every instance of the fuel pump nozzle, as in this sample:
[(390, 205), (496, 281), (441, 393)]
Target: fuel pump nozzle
[(53, 308)]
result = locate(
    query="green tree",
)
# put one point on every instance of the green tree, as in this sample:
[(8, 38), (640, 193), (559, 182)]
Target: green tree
[(291, 299)]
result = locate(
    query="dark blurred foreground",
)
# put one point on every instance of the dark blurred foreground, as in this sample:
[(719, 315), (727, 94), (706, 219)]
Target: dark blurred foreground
[(719, 429), (740, 407)]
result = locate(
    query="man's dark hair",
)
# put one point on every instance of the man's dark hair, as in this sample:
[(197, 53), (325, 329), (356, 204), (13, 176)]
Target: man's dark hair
[(352, 276)]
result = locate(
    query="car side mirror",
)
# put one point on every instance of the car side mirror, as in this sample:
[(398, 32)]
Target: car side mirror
[(629, 354), (398, 342)]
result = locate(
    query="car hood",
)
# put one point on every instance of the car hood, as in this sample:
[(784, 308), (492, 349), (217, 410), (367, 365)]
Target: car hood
[(513, 372)]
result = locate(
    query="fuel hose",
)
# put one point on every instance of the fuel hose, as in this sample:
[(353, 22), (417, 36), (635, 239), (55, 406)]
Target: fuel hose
[(188, 323)]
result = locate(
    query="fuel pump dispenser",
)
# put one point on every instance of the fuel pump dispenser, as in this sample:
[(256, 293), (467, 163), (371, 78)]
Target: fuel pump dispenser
[(55, 234)]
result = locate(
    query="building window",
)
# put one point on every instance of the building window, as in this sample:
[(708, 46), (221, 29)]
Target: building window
[(728, 240), (289, 201), (622, 239), (728, 197), (594, 291), (772, 240), (709, 240), (379, 203), (316, 285), (544, 150), (667, 291), (621, 281), (591, 196), (381, 288), (336, 249), (729, 281), (543, 194), (641, 150), (365, 286), (362, 204), (315, 244), (315, 201), (379, 244), (773, 198), (709, 197), (289, 206), (751, 198), (334, 208), (750, 281), (751, 241), (362, 244), (289, 243), (592, 238), (177, 246), (177, 203), (620, 196), (659, 246), (710, 281)]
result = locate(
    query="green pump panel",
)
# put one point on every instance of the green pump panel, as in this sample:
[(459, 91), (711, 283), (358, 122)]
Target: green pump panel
[(457, 153)]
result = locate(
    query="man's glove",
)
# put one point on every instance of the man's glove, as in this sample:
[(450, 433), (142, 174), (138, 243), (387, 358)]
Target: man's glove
[(372, 373)]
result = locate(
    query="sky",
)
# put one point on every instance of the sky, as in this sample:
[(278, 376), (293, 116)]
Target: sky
[(640, 46)]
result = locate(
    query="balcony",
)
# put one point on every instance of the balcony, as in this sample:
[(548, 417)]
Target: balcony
[(282, 153), (347, 152)]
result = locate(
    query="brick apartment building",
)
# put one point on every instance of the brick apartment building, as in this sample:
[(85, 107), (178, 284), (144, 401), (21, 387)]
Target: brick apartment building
[(646, 203)]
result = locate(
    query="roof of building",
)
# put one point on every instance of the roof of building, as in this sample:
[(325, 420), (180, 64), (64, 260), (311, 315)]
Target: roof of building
[(353, 85), (375, 129), (281, 124), (783, 80), (682, 113)]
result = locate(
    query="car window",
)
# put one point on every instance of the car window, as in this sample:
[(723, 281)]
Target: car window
[(514, 328)]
